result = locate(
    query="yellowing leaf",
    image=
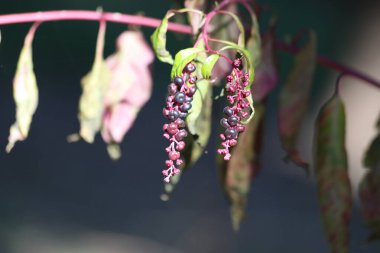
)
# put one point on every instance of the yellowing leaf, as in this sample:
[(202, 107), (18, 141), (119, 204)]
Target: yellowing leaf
[(129, 89), (294, 97), (94, 87), (331, 170), (25, 92)]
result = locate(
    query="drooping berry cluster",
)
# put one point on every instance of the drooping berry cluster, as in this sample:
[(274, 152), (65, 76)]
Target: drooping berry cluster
[(239, 109), (178, 103)]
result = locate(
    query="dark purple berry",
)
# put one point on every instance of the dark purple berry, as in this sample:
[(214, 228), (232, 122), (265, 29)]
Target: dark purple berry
[(192, 90), (228, 111), (182, 115), (180, 97), (233, 120), (188, 99), (178, 80), (230, 133), (185, 107), (180, 123), (190, 68), (172, 89), (193, 79), (224, 123), (173, 115)]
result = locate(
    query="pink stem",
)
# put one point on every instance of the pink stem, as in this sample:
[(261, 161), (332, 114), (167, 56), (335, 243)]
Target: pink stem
[(89, 15), (152, 22), (324, 61)]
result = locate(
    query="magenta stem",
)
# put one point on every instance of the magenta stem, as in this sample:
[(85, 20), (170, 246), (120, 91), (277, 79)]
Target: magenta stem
[(8, 19), (89, 15), (324, 61)]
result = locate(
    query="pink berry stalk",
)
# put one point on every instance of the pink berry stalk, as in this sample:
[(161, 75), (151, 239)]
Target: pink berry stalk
[(239, 109)]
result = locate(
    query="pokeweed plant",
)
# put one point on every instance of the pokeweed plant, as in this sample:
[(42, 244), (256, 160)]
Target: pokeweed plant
[(228, 48)]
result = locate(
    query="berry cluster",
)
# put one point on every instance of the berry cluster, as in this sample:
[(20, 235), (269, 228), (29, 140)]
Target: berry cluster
[(239, 109), (178, 103)]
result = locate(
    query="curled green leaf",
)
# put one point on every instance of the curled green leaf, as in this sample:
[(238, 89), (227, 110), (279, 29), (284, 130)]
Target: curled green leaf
[(25, 92), (158, 39), (294, 97), (208, 65), (182, 58), (333, 183)]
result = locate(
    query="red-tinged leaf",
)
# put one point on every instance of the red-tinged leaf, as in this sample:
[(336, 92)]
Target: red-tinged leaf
[(25, 92), (266, 74), (294, 97), (195, 19), (130, 86), (369, 189), (331, 170), (238, 172)]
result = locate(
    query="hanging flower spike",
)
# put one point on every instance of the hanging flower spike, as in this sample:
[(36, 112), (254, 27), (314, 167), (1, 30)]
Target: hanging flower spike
[(239, 109), (178, 103)]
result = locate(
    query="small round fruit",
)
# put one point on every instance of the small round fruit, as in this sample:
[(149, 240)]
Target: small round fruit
[(182, 115), (180, 97), (178, 80), (185, 107), (180, 123), (193, 79), (224, 123), (191, 91), (190, 68), (228, 111), (173, 115), (172, 128), (172, 89), (173, 155), (230, 133), (188, 99), (180, 145), (233, 120), (181, 135)]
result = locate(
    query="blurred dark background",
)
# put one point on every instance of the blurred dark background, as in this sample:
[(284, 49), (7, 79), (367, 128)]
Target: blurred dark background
[(61, 197)]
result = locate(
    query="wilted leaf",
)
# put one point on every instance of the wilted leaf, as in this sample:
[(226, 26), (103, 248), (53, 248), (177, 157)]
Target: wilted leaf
[(25, 92), (94, 86), (266, 74), (333, 183), (369, 189), (195, 19), (129, 89), (208, 65), (294, 97), (238, 172), (158, 39)]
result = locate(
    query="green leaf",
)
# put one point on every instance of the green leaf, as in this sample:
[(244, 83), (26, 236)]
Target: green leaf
[(208, 65), (333, 183), (237, 173), (369, 189), (294, 97), (158, 39), (182, 58)]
